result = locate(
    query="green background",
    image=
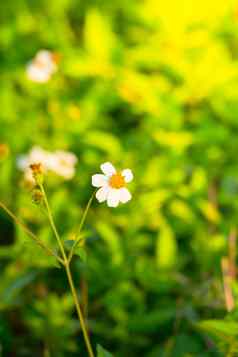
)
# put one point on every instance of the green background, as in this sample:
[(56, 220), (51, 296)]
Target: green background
[(152, 86)]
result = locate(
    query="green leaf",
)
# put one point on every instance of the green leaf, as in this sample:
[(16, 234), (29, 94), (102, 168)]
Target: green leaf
[(112, 238), (81, 252), (166, 248), (104, 141), (69, 243), (78, 250), (101, 352), (35, 255), (220, 328), (16, 285)]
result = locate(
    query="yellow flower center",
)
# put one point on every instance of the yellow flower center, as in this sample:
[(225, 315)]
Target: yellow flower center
[(117, 181)]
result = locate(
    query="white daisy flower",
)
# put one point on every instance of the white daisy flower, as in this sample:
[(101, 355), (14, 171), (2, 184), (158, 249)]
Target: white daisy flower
[(63, 164), (37, 154), (112, 185), (41, 68)]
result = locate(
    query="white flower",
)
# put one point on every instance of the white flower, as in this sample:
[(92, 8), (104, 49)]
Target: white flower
[(41, 68), (63, 164), (37, 154), (112, 185)]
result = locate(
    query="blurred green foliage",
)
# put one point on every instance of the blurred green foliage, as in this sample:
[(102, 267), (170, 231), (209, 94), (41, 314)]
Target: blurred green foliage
[(150, 85)]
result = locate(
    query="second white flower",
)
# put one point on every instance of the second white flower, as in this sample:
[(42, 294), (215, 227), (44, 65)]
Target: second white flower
[(112, 185)]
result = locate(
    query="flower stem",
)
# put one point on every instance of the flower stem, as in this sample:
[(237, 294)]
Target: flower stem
[(30, 233), (79, 312), (52, 223), (71, 253), (69, 274)]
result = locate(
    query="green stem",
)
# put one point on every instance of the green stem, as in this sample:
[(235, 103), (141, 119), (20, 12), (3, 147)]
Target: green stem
[(69, 275), (52, 223), (71, 253), (30, 233), (79, 312)]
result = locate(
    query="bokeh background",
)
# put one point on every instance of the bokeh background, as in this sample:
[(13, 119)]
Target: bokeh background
[(150, 85)]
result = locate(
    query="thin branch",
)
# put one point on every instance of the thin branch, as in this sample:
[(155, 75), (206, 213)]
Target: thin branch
[(71, 253), (30, 233), (227, 282), (52, 223), (232, 252)]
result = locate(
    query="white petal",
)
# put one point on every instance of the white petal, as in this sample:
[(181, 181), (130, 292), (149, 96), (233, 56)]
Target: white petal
[(43, 56), (99, 180), (124, 194), (66, 157), (28, 176), (102, 194), (36, 74), (128, 175), (37, 154), (62, 163), (113, 197), (22, 162), (65, 172), (108, 169)]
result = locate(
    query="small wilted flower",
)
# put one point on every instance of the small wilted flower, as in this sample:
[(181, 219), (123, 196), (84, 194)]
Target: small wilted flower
[(42, 66), (37, 172), (36, 155), (37, 168), (61, 163), (37, 196), (112, 185)]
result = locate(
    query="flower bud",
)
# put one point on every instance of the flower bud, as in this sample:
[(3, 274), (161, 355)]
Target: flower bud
[(37, 196), (37, 172)]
